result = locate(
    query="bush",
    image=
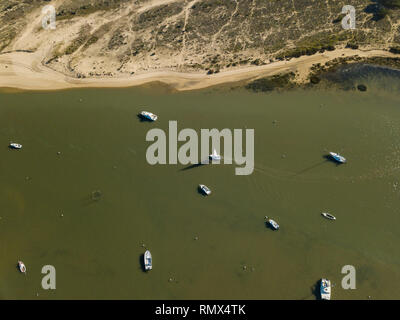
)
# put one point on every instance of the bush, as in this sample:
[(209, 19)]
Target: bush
[(395, 50), (393, 4), (314, 79), (352, 46), (362, 87), (381, 13)]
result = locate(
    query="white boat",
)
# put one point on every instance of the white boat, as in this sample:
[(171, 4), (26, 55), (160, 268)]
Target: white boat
[(325, 289), (204, 189), (272, 223), (337, 157), (21, 267), (214, 156), (15, 145), (148, 261), (328, 216), (148, 115)]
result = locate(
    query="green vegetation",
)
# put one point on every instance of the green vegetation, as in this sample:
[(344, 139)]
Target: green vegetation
[(384, 7), (98, 34), (74, 8), (311, 45), (390, 3), (83, 36), (279, 81)]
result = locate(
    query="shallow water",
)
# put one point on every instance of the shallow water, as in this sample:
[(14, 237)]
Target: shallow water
[(49, 215)]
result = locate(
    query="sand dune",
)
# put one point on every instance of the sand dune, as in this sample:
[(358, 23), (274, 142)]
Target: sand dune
[(24, 70)]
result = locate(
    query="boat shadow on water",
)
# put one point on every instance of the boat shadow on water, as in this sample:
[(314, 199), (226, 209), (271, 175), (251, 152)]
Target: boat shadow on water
[(200, 191), (311, 167), (192, 166), (329, 158), (269, 226), (142, 118), (195, 165), (141, 263), (314, 292)]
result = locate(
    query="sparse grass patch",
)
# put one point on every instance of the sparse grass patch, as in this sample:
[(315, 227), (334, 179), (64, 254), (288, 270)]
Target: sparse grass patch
[(83, 36)]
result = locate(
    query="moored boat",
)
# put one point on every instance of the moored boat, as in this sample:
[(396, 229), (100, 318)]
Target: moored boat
[(13, 145), (21, 267), (214, 156), (148, 261), (325, 289), (328, 216), (148, 116), (204, 189), (272, 223), (337, 157)]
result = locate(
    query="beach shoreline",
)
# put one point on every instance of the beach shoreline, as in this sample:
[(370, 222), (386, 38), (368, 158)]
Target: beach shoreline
[(26, 71)]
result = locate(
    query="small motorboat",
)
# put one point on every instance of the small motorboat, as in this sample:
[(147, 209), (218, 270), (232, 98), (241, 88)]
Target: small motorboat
[(148, 116), (15, 145), (272, 223), (204, 189), (328, 216), (21, 267), (325, 289), (337, 157), (148, 261), (214, 156)]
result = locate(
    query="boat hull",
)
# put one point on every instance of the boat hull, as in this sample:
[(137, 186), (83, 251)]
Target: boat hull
[(15, 146), (148, 116), (148, 261), (328, 216), (204, 189), (337, 157), (325, 289), (273, 224), (21, 267)]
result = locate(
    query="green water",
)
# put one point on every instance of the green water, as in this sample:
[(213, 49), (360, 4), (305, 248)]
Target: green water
[(48, 215)]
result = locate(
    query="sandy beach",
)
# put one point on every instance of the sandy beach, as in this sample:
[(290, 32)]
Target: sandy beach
[(25, 70)]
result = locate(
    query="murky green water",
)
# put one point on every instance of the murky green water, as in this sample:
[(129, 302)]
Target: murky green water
[(96, 245)]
